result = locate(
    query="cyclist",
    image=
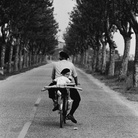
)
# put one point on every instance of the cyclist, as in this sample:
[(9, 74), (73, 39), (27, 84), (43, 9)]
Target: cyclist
[(56, 72)]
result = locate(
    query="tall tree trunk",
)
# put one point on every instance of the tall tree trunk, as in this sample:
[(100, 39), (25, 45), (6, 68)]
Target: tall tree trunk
[(103, 65), (111, 71), (37, 59), (112, 47), (27, 59), (16, 60), (30, 59), (34, 59), (10, 59), (86, 59), (94, 61), (78, 59), (98, 60), (24, 59), (3, 50), (124, 65), (134, 23), (82, 58), (135, 75), (20, 58)]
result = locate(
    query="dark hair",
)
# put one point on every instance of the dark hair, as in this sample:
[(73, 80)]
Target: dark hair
[(64, 71), (63, 55)]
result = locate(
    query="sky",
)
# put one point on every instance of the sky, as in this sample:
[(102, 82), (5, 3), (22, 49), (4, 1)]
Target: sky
[(120, 44), (62, 8)]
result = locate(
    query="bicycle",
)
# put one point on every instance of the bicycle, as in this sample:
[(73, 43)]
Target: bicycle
[(63, 99)]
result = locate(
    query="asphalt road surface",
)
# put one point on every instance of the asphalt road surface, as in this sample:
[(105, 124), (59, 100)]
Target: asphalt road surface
[(26, 112)]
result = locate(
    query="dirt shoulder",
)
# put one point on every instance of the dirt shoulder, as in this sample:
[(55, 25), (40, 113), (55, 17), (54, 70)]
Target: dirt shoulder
[(6, 75), (123, 87)]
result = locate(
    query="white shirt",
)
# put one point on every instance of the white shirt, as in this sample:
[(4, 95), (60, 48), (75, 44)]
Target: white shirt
[(60, 65), (62, 80)]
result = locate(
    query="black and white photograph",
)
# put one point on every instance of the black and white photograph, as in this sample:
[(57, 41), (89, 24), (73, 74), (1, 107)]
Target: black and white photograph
[(68, 68)]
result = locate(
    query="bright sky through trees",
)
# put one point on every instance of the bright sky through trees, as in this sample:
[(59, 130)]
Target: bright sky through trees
[(120, 44), (62, 8)]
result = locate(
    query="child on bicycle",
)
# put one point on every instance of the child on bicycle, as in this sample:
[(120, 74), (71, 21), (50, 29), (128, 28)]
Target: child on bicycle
[(62, 80)]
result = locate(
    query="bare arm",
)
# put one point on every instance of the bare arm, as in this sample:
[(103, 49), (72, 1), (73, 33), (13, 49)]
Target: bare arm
[(76, 80), (53, 74), (74, 74)]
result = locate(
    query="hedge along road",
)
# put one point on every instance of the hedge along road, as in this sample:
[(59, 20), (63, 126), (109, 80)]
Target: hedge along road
[(26, 112)]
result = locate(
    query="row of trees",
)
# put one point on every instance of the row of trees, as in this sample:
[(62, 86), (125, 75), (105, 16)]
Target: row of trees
[(93, 24), (27, 32)]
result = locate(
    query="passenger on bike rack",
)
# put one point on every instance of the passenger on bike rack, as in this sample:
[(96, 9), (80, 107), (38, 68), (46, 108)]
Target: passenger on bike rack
[(62, 80), (74, 94)]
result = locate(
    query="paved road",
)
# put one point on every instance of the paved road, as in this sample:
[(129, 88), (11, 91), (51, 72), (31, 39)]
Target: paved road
[(26, 112)]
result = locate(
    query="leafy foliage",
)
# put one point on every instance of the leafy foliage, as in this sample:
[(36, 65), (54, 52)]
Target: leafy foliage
[(31, 21)]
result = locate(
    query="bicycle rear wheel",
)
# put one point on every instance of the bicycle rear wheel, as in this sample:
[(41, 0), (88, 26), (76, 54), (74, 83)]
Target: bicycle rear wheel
[(65, 109), (61, 114)]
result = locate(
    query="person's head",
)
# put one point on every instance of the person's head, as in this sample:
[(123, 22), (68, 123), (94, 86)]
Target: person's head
[(63, 55), (66, 72)]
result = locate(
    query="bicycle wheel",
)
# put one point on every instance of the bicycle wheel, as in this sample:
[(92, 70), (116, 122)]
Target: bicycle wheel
[(61, 114), (65, 108)]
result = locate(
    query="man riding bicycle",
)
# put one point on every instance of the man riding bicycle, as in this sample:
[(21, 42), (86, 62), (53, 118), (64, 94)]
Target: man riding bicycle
[(74, 94)]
